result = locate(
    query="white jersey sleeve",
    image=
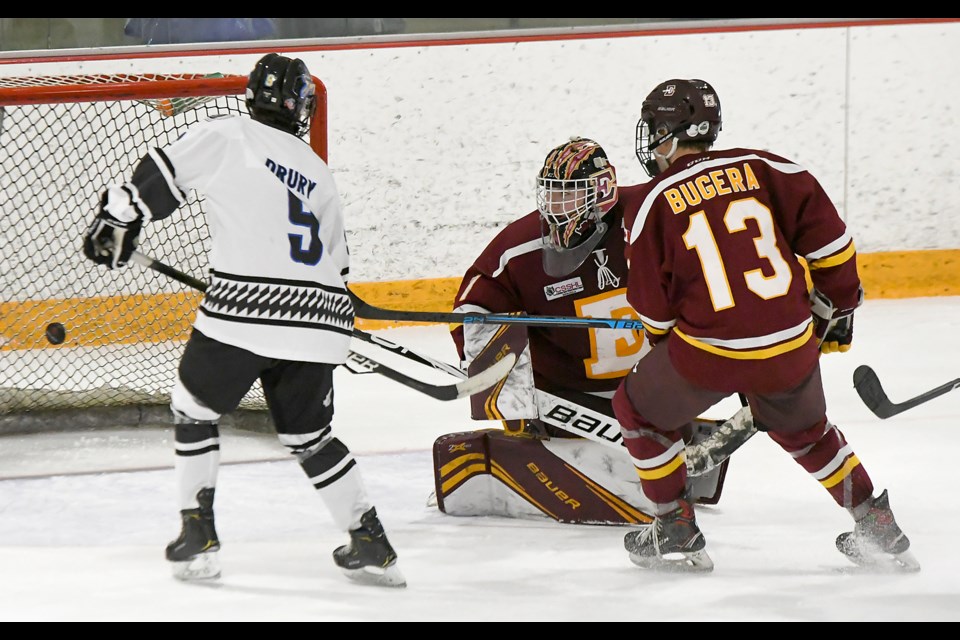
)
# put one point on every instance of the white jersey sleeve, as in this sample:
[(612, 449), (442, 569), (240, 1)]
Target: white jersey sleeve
[(279, 260)]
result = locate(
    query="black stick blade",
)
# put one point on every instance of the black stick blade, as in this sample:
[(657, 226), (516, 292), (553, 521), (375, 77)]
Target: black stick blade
[(868, 387)]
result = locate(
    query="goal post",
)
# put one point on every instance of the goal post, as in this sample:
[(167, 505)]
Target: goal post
[(63, 139)]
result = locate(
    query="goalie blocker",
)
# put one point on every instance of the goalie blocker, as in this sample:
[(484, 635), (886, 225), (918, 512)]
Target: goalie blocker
[(570, 480)]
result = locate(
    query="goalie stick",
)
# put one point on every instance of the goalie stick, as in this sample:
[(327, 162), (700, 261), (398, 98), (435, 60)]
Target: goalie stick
[(370, 312), (868, 387), (360, 364), (701, 458), (590, 424)]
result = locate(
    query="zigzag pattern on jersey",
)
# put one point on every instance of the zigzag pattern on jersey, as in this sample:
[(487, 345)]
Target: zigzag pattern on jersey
[(274, 303)]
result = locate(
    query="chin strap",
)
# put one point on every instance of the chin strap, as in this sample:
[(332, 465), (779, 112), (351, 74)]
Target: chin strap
[(674, 144)]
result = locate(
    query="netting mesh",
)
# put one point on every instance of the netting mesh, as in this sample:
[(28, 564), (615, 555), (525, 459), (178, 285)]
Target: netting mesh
[(125, 328)]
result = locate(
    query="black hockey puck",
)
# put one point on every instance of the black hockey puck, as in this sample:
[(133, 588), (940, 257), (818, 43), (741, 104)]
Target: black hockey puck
[(56, 334)]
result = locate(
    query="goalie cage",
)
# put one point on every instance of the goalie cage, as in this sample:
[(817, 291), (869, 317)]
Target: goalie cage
[(62, 140)]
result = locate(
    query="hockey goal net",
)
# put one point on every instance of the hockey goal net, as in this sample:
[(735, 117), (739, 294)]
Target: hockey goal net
[(62, 140)]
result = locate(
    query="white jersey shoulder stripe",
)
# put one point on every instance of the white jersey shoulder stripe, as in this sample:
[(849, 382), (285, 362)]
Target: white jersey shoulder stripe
[(783, 167), (830, 248), (519, 250)]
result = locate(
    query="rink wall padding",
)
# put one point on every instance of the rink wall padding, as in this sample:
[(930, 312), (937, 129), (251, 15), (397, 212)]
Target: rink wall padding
[(897, 274)]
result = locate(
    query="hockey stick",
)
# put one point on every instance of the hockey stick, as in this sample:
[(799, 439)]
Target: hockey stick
[(701, 458), (868, 387), (575, 418), (370, 312), (400, 350), (359, 364)]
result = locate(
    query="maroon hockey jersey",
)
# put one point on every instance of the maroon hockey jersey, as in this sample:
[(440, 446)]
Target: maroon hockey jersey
[(713, 247), (508, 276)]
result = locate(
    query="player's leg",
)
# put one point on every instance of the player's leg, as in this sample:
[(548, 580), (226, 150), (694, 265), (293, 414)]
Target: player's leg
[(212, 379), (824, 453), (300, 397), (654, 405)]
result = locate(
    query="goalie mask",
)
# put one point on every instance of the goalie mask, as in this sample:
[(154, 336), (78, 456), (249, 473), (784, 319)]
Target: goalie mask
[(676, 111), (281, 93), (575, 188)]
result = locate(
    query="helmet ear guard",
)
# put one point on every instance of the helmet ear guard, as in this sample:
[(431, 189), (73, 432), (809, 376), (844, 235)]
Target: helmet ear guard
[(576, 186)]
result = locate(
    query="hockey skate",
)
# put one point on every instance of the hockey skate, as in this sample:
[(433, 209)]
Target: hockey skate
[(876, 542), (673, 542), (369, 558), (194, 554)]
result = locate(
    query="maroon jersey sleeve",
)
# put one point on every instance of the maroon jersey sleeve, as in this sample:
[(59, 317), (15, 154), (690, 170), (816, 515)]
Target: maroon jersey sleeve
[(508, 276), (817, 233)]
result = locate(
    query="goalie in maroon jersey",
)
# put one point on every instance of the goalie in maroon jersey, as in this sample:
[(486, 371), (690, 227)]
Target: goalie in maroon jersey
[(715, 241), (564, 259)]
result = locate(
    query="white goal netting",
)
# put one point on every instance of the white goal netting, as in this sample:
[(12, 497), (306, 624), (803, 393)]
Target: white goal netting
[(62, 140)]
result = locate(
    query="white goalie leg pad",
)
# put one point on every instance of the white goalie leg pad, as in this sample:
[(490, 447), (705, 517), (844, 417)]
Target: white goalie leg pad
[(197, 443), (515, 397), (570, 480)]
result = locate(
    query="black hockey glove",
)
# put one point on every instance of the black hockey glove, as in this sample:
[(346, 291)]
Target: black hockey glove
[(109, 241), (833, 327)]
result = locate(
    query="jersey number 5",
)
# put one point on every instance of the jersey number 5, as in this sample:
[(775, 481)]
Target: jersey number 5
[(303, 217)]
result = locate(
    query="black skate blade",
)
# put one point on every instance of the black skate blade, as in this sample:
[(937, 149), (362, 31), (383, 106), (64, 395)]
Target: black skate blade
[(374, 576)]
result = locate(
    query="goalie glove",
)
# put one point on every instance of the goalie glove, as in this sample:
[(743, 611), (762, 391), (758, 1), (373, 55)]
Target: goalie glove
[(833, 327)]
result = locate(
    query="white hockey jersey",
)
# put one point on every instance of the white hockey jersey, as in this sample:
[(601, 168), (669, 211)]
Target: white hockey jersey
[(279, 260)]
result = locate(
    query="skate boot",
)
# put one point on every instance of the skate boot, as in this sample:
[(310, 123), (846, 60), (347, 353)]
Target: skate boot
[(673, 542), (877, 542), (369, 558), (194, 554)]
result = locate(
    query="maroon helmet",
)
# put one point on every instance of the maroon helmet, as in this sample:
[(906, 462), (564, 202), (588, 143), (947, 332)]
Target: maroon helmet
[(678, 110)]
